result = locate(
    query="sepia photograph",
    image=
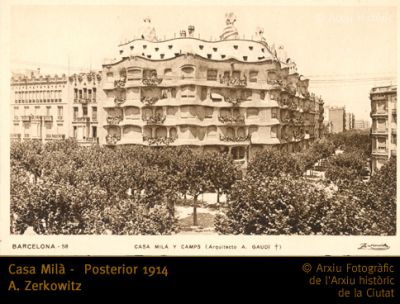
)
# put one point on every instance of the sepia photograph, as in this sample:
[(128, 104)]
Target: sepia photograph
[(200, 122)]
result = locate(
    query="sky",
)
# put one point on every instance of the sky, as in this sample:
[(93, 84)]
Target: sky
[(343, 50)]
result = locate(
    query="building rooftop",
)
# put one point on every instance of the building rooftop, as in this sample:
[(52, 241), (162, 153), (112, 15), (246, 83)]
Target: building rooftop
[(34, 76), (384, 89), (147, 45)]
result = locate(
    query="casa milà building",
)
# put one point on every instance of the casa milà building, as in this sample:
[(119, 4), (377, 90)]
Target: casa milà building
[(232, 95)]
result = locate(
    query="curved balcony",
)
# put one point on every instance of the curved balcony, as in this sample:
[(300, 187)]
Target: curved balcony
[(114, 120), (112, 139), (234, 101), (158, 141), (118, 101), (120, 83), (233, 81), (226, 138), (232, 120), (152, 81), (156, 119), (149, 101)]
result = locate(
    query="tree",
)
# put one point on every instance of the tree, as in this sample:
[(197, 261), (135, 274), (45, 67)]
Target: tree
[(80, 185), (287, 205), (193, 178), (352, 141), (274, 163), (273, 205), (221, 172), (344, 168)]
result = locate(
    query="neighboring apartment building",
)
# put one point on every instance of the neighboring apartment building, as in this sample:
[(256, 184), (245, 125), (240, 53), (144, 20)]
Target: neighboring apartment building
[(337, 119), (231, 95), (85, 91), (48, 107), (39, 106), (361, 124), (349, 121), (384, 124)]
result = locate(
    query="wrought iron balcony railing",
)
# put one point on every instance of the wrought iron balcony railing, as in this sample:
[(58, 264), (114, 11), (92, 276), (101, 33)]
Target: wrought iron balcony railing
[(157, 141), (149, 100), (114, 120), (236, 119), (119, 101), (152, 81), (120, 83), (234, 138), (81, 119), (156, 119), (112, 139), (233, 81)]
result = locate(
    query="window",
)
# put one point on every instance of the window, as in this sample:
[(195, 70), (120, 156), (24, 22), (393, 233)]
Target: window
[(188, 91), (75, 113), (381, 125), (75, 93), (94, 114), (94, 132), (212, 75), (238, 153), (85, 93), (188, 112), (85, 111), (75, 132), (273, 131), (80, 93), (134, 74), (236, 74), (60, 112), (94, 94), (381, 144), (173, 133), (187, 72), (149, 73), (89, 93), (37, 109), (271, 77), (253, 76), (48, 108), (209, 112), (110, 76), (168, 73), (274, 113), (252, 113)]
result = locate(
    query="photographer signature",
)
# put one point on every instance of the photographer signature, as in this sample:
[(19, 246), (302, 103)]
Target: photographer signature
[(374, 246)]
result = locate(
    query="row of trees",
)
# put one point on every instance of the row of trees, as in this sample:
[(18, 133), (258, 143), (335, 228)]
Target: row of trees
[(286, 203), (275, 198), (60, 187)]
